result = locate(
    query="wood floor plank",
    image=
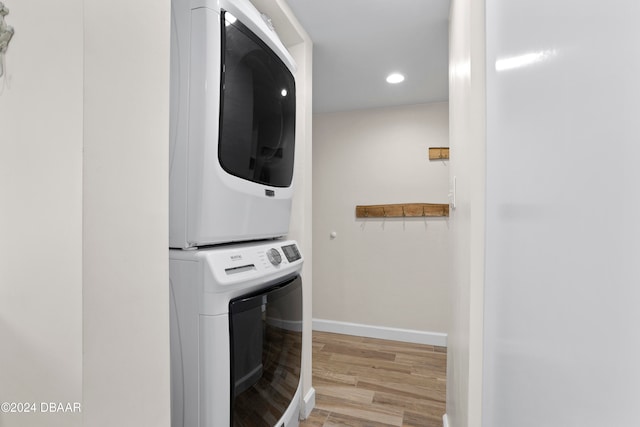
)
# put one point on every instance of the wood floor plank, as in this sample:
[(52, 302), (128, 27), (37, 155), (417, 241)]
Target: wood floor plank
[(329, 377), (387, 365), (433, 360), (317, 418), (339, 420), (370, 413), (423, 406), (391, 377), (413, 419), (403, 390), (366, 382), (347, 393), (358, 351)]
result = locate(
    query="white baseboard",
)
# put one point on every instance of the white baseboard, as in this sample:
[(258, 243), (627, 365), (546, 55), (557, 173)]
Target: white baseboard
[(308, 403), (395, 334), (445, 421)]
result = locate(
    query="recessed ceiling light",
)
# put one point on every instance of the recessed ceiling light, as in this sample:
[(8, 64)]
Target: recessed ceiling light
[(395, 78)]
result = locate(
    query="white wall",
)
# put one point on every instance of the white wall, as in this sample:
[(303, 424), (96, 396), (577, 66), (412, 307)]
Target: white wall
[(301, 210), (558, 339), (41, 211), (83, 292), (384, 273), (467, 133), (125, 277), (562, 272)]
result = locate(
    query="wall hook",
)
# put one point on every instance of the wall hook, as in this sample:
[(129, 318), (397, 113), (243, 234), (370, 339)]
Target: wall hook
[(366, 212), (384, 212), (403, 214)]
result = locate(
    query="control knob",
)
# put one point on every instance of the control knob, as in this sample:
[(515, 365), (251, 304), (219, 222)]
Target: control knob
[(274, 256)]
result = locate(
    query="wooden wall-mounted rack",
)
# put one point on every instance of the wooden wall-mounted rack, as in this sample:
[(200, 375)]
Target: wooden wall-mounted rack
[(438, 153), (406, 210)]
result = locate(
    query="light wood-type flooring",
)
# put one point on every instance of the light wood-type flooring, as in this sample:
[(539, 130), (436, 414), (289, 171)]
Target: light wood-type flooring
[(374, 383)]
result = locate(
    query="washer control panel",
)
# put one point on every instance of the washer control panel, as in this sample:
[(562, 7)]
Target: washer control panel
[(291, 252), (233, 269), (247, 262)]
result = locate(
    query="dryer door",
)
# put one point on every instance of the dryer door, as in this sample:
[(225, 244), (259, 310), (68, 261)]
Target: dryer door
[(258, 107), (266, 347)]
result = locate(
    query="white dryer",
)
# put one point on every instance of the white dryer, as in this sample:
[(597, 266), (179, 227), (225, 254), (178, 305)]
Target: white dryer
[(232, 125), (236, 335)]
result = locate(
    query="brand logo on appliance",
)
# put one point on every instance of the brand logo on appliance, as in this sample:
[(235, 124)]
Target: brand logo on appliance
[(236, 257), (269, 193)]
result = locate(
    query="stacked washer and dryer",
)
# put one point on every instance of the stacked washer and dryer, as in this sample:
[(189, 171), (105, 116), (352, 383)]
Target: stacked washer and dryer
[(236, 292)]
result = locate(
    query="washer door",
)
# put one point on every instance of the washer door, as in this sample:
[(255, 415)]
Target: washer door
[(266, 347)]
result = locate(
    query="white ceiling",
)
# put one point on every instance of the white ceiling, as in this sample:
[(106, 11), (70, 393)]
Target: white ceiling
[(357, 43)]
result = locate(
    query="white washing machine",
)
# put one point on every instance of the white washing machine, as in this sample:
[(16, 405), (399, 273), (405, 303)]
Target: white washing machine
[(236, 335)]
